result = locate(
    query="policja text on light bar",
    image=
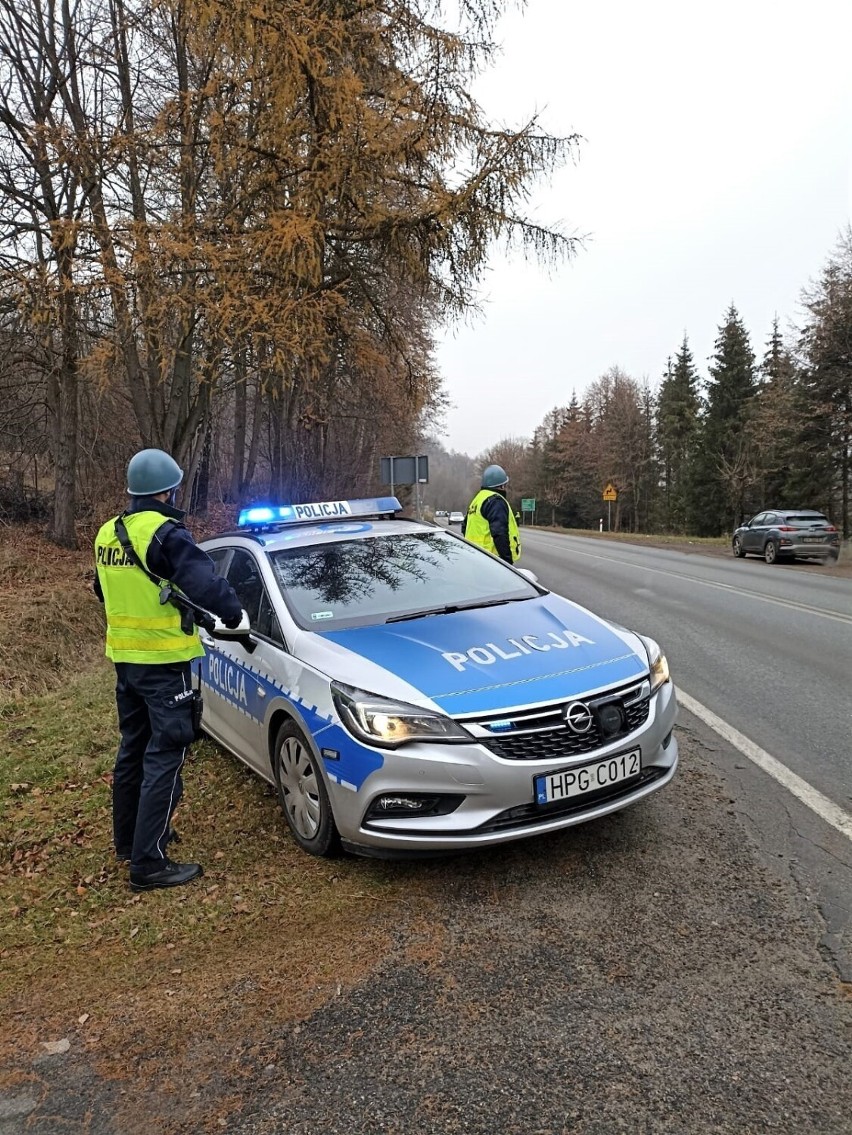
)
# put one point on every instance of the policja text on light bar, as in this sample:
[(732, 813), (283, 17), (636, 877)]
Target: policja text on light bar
[(261, 516)]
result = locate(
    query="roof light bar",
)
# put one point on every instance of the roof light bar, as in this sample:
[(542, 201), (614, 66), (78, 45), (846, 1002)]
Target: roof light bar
[(265, 516)]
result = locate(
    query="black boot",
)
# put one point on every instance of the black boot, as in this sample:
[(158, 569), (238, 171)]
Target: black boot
[(169, 875)]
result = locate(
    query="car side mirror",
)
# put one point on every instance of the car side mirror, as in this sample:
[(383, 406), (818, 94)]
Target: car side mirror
[(240, 633), (530, 575)]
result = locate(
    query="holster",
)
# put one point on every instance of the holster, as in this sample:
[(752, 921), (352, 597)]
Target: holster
[(197, 707), (187, 619)]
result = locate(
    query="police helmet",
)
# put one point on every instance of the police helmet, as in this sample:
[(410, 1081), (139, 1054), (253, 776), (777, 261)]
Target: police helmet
[(152, 471), (494, 477)]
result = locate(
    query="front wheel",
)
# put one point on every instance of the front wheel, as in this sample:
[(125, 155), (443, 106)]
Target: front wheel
[(770, 552), (739, 550), (302, 793)]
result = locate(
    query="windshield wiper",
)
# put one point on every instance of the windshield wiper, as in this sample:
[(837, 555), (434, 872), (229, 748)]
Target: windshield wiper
[(451, 608)]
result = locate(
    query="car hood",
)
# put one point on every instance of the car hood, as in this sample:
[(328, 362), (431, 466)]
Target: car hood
[(469, 662)]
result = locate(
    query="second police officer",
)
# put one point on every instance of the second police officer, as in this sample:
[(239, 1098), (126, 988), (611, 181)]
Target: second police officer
[(490, 521)]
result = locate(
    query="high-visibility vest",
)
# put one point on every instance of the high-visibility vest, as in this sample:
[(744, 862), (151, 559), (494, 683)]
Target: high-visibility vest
[(476, 527), (139, 627)]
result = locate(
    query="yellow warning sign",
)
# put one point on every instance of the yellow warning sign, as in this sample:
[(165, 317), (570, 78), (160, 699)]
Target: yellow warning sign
[(610, 492)]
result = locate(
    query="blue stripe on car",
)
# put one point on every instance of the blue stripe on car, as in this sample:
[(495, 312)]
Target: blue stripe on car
[(238, 685), (539, 650)]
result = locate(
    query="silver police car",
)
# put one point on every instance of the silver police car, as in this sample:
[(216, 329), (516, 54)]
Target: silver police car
[(408, 693)]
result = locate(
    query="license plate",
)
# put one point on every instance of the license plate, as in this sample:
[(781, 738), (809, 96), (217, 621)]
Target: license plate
[(814, 539), (553, 787)]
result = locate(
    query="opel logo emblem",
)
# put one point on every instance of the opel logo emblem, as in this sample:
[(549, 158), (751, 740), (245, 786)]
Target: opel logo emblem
[(578, 717)]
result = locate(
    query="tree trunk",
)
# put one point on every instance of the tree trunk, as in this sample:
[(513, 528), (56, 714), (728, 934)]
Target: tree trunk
[(240, 414), (62, 529), (200, 496), (254, 446)]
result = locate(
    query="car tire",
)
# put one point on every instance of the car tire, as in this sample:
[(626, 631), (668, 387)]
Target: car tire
[(302, 793), (770, 552), (737, 547)]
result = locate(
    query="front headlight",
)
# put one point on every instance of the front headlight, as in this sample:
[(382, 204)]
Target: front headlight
[(657, 662), (388, 723)]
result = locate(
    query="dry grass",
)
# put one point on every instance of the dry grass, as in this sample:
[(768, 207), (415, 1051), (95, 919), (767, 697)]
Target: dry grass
[(711, 544), (169, 980), (51, 624), (175, 984)]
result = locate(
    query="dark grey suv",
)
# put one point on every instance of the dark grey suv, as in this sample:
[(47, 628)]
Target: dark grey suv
[(798, 533)]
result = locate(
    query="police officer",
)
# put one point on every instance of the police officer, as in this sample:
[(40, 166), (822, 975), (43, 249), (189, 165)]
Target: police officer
[(489, 521), (152, 656)]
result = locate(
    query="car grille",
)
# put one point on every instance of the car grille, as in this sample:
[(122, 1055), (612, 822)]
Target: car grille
[(526, 814), (541, 738)]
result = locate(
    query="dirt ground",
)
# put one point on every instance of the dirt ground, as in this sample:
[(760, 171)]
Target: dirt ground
[(655, 973)]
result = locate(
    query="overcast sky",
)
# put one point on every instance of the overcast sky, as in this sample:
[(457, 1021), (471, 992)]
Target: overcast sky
[(716, 168)]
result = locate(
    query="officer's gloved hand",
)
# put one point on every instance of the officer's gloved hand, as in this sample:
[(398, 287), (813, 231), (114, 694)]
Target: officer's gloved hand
[(240, 625)]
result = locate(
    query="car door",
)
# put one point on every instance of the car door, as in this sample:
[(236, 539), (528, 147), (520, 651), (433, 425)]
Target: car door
[(266, 668), (244, 663), (217, 712), (753, 535), (770, 528)]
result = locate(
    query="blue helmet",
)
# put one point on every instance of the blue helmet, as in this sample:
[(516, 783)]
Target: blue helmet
[(152, 471), (494, 477)]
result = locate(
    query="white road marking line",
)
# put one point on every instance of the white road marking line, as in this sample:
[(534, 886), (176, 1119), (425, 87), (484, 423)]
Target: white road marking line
[(793, 604), (823, 807)]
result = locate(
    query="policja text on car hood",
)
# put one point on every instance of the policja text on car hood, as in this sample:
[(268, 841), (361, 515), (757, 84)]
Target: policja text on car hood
[(535, 651)]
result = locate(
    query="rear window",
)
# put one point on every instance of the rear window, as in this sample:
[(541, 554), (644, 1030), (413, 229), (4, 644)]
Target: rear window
[(348, 583), (805, 521)]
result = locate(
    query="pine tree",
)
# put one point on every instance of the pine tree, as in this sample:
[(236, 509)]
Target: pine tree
[(825, 439), (725, 465), (678, 408), (774, 425)]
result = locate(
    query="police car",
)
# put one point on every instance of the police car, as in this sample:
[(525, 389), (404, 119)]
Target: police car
[(408, 693)]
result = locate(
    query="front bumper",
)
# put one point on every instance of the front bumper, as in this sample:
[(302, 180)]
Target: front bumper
[(497, 800)]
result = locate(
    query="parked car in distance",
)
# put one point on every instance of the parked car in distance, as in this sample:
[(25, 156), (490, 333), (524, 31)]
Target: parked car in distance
[(795, 533), (456, 518), (441, 512)]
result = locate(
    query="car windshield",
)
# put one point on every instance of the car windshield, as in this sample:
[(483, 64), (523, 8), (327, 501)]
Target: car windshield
[(351, 583)]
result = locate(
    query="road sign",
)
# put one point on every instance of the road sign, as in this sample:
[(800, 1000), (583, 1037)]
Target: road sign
[(527, 504), (404, 470), (395, 471), (610, 492)]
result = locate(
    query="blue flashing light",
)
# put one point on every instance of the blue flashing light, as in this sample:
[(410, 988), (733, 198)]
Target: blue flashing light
[(501, 726), (256, 515), (264, 516)]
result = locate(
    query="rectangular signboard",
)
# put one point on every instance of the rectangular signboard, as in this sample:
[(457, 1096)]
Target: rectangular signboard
[(527, 504), (404, 470)]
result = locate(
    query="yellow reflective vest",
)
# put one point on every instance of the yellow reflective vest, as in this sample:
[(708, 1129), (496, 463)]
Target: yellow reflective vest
[(478, 532), (139, 627)]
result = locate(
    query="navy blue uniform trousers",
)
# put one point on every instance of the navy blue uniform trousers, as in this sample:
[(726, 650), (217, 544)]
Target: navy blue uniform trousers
[(155, 719)]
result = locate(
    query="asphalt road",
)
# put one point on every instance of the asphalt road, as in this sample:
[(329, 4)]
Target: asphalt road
[(766, 649)]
